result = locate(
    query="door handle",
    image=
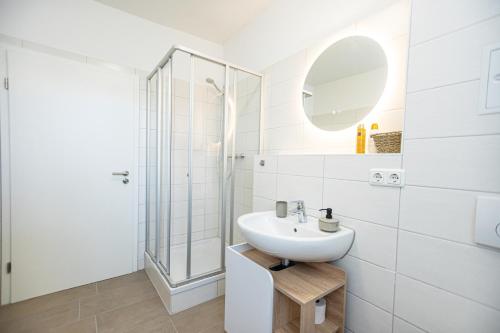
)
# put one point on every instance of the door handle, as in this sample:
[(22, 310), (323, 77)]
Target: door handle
[(121, 173), (124, 174)]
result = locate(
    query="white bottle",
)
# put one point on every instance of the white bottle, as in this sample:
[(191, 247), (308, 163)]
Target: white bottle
[(371, 143)]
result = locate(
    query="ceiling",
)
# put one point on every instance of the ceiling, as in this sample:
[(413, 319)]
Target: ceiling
[(214, 20)]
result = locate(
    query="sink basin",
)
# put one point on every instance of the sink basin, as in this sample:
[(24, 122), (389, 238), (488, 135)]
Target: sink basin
[(287, 239)]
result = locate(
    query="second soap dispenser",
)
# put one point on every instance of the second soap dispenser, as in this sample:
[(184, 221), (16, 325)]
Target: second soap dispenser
[(328, 223)]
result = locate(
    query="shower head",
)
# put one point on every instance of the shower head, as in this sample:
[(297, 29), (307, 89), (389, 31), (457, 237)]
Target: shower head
[(211, 81)]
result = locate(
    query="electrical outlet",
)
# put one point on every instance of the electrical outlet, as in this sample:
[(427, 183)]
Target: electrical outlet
[(377, 177), (394, 178), (387, 177)]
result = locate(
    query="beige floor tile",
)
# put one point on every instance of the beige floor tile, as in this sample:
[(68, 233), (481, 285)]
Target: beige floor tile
[(146, 316), (42, 321), (156, 325), (44, 303), (122, 281), (113, 298), (201, 318), (87, 325), (127, 304), (218, 328)]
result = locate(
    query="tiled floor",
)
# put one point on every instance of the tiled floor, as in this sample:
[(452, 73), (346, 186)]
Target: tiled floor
[(127, 303)]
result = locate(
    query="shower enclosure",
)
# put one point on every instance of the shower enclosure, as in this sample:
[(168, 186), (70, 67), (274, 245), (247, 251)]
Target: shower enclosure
[(203, 129)]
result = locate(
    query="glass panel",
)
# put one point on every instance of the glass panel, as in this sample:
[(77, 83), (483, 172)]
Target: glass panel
[(206, 166), (247, 105), (165, 131), (179, 166), (229, 141), (151, 166)]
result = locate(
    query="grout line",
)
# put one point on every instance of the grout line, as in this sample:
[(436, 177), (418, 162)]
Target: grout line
[(452, 188), (452, 136), (79, 307), (411, 92), (378, 307), (172, 322), (474, 245), (95, 322), (465, 27), (408, 322), (450, 292), (371, 263), (396, 257), (366, 221)]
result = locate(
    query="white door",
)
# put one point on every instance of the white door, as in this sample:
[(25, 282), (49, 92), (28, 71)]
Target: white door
[(71, 126)]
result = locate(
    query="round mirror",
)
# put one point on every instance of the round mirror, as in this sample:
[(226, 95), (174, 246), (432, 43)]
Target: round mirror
[(345, 83)]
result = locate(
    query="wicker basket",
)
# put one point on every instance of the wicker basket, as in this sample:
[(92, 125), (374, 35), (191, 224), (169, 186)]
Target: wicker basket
[(389, 142)]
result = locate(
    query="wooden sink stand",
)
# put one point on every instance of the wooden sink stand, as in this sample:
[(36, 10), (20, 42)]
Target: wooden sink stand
[(296, 290)]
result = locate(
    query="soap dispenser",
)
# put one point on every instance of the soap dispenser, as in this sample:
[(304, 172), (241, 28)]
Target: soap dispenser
[(328, 223)]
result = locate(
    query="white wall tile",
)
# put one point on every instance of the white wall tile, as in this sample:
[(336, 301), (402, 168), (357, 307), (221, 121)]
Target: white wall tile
[(301, 165), (391, 120), (373, 242), (288, 138), (264, 185), (357, 167), (452, 58), (270, 163), (391, 22), (465, 270), (436, 310), (470, 163), (309, 189), (401, 326), (432, 18), (288, 114), (363, 276), (448, 111), (362, 201), (363, 317), (288, 68), (287, 92), (448, 214), (263, 204)]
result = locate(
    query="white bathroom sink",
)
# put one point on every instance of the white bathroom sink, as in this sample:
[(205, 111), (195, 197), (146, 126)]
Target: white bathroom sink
[(287, 239)]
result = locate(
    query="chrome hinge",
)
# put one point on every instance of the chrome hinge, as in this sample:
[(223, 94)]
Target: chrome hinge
[(9, 267), (6, 83)]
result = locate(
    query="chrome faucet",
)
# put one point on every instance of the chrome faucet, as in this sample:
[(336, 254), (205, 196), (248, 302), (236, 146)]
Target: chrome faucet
[(300, 211)]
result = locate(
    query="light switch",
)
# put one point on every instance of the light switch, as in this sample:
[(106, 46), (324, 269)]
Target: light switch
[(490, 80), (488, 221)]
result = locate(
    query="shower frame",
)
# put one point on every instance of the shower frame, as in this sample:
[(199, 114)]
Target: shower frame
[(166, 64)]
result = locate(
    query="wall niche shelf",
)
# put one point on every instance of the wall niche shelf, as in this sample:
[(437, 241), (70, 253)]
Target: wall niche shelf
[(297, 288)]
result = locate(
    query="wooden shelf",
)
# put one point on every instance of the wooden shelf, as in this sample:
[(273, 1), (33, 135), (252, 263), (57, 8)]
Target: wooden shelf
[(296, 290), (294, 327)]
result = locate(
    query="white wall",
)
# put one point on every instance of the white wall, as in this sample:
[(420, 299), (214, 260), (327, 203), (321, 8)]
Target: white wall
[(93, 29), (289, 26), (285, 126), (415, 266), (451, 155)]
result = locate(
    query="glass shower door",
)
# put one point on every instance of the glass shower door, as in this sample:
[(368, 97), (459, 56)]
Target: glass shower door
[(243, 142), (196, 156), (202, 133), (207, 161)]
